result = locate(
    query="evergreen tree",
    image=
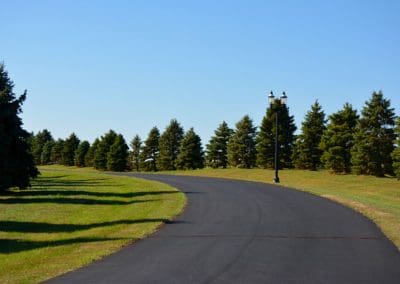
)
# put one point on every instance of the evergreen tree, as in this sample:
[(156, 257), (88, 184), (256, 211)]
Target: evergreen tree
[(38, 142), (242, 144), (338, 139), (307, 154), (89, 157), (217, 148), (170, 142), (100, 156), (374, 137), (17, 165), (191, 155), (396, 151), (80, 153), (117, 157), (46, 152), (136, 146), (151, 151), (56, 152), (69, 148), (266, 137)]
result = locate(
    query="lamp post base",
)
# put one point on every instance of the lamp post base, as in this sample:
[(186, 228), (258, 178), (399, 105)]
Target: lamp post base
[(276, 180)]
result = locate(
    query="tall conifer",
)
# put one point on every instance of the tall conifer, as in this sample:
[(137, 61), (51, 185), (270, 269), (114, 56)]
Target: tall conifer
[(191, 155), (217, 148), (170, 142), (151, 151)]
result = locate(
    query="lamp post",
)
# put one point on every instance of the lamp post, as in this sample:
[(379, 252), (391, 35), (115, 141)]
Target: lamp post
[(272, 100)]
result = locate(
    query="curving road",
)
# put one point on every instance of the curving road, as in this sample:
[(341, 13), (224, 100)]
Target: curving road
[(246, 232)]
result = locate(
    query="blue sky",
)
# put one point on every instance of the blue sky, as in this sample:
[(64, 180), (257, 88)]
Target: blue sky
[(130, 65)]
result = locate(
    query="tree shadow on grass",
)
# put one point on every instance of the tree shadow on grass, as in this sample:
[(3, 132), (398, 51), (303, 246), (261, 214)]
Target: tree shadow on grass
[(42, 227), (62, 200), (8, 246)]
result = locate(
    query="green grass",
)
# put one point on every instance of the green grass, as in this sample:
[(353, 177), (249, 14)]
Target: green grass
[(376, 198), (71, 217)]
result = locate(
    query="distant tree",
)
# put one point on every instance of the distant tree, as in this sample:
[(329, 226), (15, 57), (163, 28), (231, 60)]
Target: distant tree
[(136, 146), (307, 153), (266, 137), (338, 139), (170, 142), (191, 155), (150, 151), (46, 152), (396, 151), (374, 137), (117, 157), (38, 142), (242, 144), (56, 152), (68, 152), (100, 156), (80, 153), (89, 157), (17, 164), (217, 148)]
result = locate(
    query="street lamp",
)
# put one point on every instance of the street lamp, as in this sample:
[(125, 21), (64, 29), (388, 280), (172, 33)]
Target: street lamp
[(283, 101)]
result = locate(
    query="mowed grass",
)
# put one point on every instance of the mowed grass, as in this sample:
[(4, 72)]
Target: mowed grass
[(376, 198), (71, 217)]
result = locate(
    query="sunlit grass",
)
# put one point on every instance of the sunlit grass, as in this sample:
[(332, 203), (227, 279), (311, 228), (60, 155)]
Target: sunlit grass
[(376, 198), (71, 217)]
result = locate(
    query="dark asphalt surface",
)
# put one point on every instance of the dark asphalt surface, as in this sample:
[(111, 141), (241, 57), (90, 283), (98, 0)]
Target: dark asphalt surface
[(245, 232)]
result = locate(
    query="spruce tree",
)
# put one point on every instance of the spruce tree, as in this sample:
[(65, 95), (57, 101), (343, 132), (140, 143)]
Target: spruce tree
[(307, 153), (46, 152), (68, 152), (396, 151), (56, 152), (136, 146), (374, 137), (89, 157), (338, 139), (266, 137), (38, 142), (242, 144), (117, 156), (100, 156), (170, 142), (17, 165), (191, 155), (150, 151), (80, 153), (217, 148)]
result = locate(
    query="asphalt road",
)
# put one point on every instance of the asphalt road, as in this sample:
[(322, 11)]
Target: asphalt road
[(245, 232)]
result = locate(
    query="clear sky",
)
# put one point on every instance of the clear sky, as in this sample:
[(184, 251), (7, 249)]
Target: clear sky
[(130, 65)]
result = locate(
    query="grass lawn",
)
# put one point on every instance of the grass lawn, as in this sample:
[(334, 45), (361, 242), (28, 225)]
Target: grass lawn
[(71, 217), (376, 198)]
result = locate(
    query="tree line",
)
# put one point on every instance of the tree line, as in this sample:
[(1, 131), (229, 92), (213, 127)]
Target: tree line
[(343, 142)]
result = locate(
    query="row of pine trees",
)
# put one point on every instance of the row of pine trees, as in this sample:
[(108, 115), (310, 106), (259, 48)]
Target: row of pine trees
[(344, 142)]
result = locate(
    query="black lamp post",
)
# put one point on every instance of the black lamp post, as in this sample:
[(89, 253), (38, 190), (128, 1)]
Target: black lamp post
[(272, 100)]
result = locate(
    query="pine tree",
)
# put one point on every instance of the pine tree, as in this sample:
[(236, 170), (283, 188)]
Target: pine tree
[(89, 157), (17, 165), (170, 142), (266, 137), (373, 143), (217, 148), (396, 151), (242, 144), (38, 142), (136, 146), (191, 155), (56, 152), (338, 139), (117, 157), (69, 148), (307, 154), (100, 156), (80, 153), (45, 158), (150, 151)]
